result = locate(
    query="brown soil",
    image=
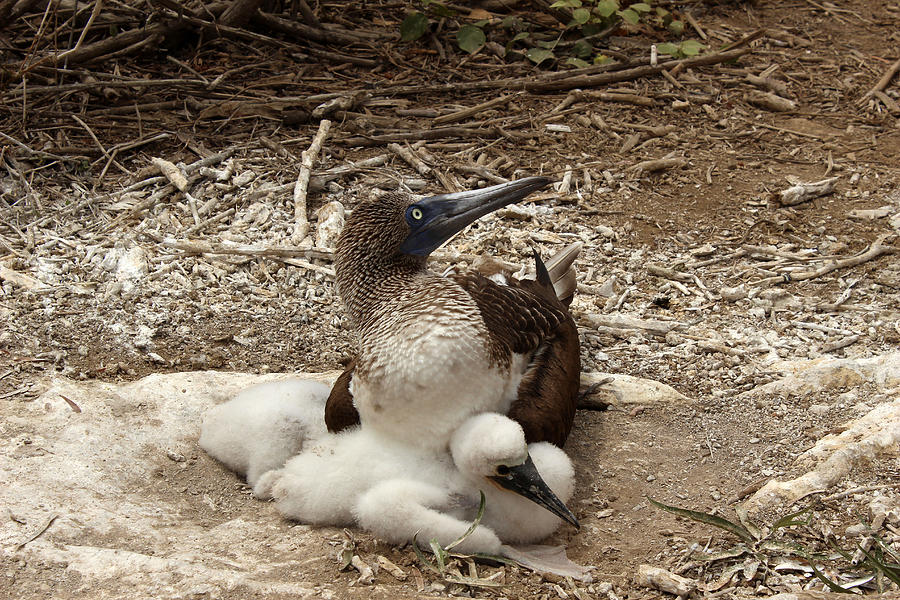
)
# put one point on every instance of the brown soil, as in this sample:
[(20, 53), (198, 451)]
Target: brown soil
[(254, 314)]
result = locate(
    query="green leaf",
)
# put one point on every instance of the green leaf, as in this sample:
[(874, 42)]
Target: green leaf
[(581, 15), (471, 527), (691, 47), (667, 48), (606, 8), (661, 12), (735, 528), (582, 49), (438, 8), (640, 7), (831, 585), (440, 555), (737, 551), (428, 564), (566, 4), (743, 517), (509, 22), (602, 59), (470, 38), (676, 27), (877, 564), (630, 16), (548, 45), (577, 62), (519, 36), (539, 55), (413, 27)]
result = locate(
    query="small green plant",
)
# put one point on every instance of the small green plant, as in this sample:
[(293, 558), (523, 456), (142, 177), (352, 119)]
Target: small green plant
[(597, 14), (443, 558), (469, 37), (760, 543)]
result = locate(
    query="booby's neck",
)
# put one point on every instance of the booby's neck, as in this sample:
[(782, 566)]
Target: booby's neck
[(365, 280)]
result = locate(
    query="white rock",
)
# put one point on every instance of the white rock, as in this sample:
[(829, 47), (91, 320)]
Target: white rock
[(103, 471), (835, 456), (330, 224), (805, 377), (626, 389)]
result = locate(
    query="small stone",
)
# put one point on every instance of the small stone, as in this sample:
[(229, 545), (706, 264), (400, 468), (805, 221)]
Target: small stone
[(733, 294), (818, 409)]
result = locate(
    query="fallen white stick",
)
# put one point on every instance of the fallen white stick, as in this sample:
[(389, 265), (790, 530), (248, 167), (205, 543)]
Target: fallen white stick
[(806, 191), (666, 581), (307, 158)]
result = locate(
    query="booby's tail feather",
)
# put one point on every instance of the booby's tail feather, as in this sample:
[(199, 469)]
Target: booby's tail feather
[(562, 273)]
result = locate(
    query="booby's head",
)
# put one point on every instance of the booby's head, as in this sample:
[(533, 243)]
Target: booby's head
[(492, 446), (398, 225)]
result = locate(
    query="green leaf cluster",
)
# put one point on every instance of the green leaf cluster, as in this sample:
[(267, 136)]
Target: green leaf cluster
[(684, 49), (469, 38), (589, 17)]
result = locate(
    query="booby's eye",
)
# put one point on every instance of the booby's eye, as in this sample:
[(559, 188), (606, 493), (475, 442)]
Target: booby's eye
[(502, 470), (416, 213)]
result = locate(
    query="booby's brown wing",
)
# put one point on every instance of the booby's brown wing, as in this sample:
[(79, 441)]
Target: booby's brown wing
[(517, 319), (527, 318), (548, 393), (340, 413)]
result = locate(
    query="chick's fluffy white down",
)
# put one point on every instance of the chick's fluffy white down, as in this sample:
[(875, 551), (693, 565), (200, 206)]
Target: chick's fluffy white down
[(264, 425)]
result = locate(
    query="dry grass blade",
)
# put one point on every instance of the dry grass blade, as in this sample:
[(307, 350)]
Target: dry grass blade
[(423, 559), (472, 527), (716, 521), (791, 519), (831, 585)]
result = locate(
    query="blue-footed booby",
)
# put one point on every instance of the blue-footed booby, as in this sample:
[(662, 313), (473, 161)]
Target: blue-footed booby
[(434, 350)]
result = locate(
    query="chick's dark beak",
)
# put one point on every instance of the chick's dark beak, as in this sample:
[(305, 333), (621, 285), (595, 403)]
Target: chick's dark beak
[(525, 480), (445, 215)]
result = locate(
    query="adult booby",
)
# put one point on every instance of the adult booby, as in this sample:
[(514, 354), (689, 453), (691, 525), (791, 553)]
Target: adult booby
[(434, 350)]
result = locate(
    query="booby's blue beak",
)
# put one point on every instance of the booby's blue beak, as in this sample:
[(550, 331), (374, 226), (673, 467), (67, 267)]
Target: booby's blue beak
[(432, 221), (525, 480)]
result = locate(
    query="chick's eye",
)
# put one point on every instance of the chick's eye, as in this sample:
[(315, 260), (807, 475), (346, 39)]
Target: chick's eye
[(502, 470), (416, 213)]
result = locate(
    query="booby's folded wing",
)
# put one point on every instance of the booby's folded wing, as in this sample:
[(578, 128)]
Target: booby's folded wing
[(517, 320), (340, 413), (524, 319)]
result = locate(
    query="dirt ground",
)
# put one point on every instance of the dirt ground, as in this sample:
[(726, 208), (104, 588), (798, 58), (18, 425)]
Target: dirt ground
[(102, 281)]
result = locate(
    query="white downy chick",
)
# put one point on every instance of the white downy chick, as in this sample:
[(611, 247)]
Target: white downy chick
[(264, 425), (397, 491)]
